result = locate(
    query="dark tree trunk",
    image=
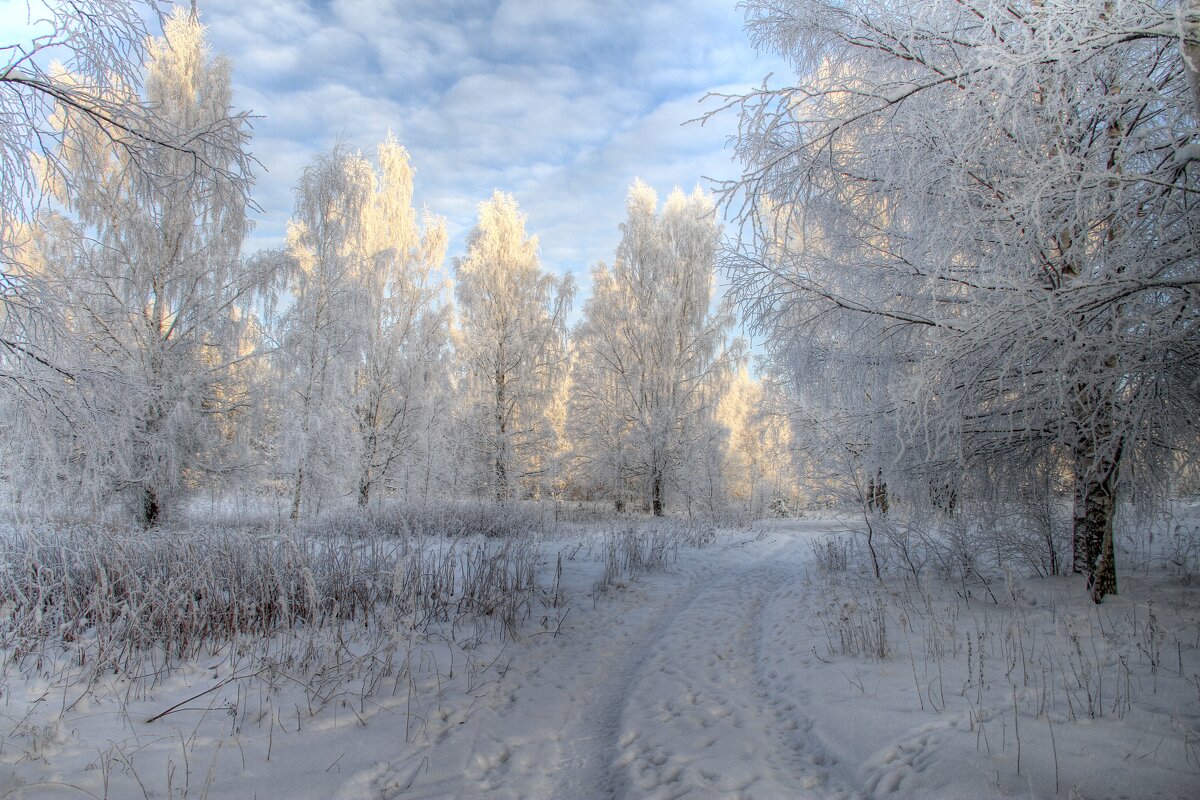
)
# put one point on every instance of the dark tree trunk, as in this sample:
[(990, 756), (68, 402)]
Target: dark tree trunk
[(1097, 456), (500, 458), (368, 422), (150, 509), (501, 476), (877, 494), (1051, 551), (1104, 579), (1092, 529), (1084, 550), (656, 493), (871, 547)]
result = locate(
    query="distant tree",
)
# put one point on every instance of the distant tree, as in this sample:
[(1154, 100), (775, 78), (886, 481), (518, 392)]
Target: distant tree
[(513, 348), (402, 360), (319, 340), (143, 280), (757, 458), (363, 345), (599, 425), (991, 208), (651, 356)]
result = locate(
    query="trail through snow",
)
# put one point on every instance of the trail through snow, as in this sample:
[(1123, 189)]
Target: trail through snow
[(665, 691), (737, 673)]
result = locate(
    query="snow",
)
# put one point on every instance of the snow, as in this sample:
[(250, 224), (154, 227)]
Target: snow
[(743, 670)]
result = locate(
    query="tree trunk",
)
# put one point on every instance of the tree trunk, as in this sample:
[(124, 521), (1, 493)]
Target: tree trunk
[(656, 493), (1092, 529), (1190, 53), (1052, 553), (500, 457), (1104, 579), (368, 423), (150, 509), (297, 494), (878, 492), (871, 547), (1083, 549)]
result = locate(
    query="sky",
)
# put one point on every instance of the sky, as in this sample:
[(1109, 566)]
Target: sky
[(560, 102)]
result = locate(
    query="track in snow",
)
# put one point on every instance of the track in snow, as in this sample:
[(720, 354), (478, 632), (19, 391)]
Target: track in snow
[(700, 718), (666, 691)]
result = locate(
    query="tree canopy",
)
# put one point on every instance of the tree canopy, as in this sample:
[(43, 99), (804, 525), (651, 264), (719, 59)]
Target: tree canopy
[(981, 219)]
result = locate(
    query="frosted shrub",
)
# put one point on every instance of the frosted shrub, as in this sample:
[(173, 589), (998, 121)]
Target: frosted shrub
[(908, 543), (831, 554), (446, 519), (633, 551), (857, 628), (1183, 550), (694, 533), (111, 597), (630, 553)]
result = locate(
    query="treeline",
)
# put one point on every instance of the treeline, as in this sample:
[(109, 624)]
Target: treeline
[(146, 358)]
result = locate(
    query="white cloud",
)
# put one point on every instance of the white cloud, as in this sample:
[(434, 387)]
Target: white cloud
[(562, 103)]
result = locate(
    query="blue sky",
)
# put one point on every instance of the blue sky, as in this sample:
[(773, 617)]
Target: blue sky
[(561, 102)]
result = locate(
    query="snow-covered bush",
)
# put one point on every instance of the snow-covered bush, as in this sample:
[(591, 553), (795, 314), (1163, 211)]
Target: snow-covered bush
[(831, 554), (653, 546), (115, 597), (444, 518)]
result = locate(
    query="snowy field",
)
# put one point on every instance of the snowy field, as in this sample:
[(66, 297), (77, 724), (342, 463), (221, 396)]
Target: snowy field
[(667, 663), (944, 279)]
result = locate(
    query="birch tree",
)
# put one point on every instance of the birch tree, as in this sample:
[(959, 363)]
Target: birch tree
[(75, 76), (651, 357), (142, 273), (757, 458), (318, 342), (401, 370), (513, 347), (1007, 192), (364, 344)]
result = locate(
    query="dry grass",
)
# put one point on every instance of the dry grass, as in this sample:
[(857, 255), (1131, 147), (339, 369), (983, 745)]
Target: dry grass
[(112, 596), (649, 547)]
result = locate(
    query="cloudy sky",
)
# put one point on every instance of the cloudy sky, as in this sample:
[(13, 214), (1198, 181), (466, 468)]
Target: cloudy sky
[(561, 102)]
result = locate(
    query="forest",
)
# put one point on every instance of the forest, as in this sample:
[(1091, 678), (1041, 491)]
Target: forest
[(157, 361), (920, 381)]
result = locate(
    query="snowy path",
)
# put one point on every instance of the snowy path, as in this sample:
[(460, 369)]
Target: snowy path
[(700, 717), (665, 691), (719, 678)]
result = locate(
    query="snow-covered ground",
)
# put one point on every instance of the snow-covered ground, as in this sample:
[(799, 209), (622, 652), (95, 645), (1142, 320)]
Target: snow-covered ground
[(743, 670)]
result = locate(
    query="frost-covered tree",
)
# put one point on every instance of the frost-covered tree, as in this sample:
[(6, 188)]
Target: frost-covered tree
[(318, 340), (142, 275), (599, 428), (75, 76), (651, 355), (364, 343), (402, 364), (513, 350), (991, 207), (757, 455)]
